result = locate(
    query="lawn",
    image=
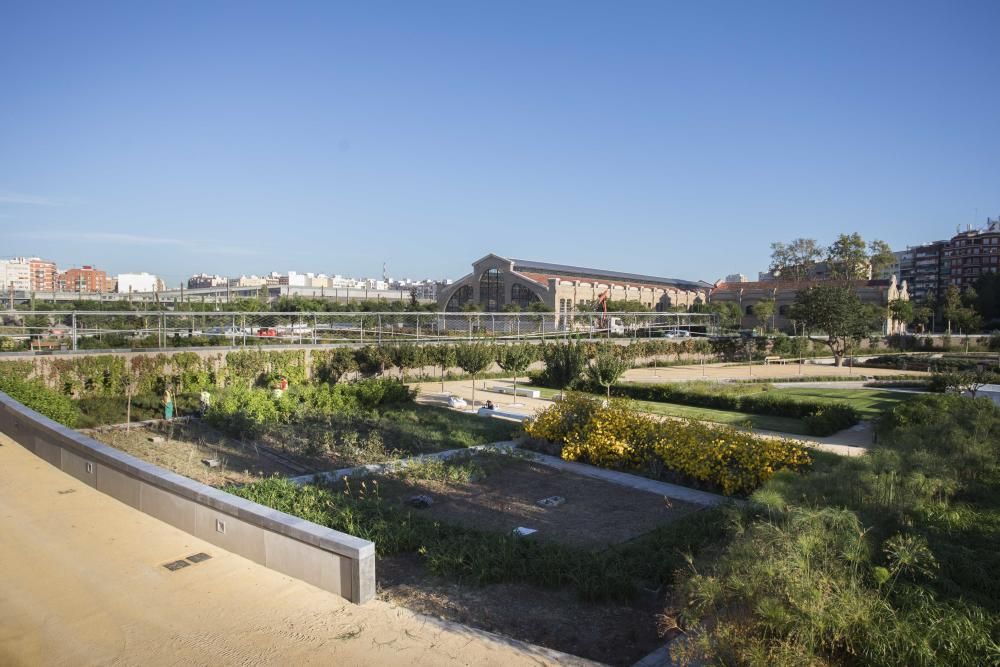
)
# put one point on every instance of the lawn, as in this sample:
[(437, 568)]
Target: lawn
[(869, 402), (731, 418)]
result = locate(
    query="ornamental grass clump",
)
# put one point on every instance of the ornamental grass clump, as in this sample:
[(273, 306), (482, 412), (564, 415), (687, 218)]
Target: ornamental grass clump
[(612, 434)]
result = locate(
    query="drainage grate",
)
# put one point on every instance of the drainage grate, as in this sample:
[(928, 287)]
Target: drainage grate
[(176, 565), (197, 558)]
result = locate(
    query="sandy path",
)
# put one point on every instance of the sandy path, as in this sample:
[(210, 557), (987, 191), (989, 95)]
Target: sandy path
[(83, 585)]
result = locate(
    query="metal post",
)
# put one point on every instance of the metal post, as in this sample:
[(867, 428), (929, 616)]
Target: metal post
[(315, 318), (418, 326), (244, 329), (379, 324), (161, 323), (74, 330)]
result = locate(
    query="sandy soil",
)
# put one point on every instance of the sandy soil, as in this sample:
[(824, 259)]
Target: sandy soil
[(83, 584), (609, 633), (186, 444), (596, 514)]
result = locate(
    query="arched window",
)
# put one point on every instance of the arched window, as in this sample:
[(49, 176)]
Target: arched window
[(522, 296), (783, 310), (458, 300), (749, 310), (491, 290)]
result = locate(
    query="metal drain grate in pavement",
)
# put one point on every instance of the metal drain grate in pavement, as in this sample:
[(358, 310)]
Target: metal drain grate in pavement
[(197, 558), (176, 565)]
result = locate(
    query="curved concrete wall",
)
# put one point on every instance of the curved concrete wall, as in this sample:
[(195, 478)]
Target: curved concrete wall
[(337, 562)]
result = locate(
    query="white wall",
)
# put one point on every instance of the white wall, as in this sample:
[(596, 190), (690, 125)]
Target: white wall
[(137, 282)]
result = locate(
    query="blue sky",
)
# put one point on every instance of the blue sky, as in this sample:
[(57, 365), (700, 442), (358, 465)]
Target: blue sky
[(665, 138)]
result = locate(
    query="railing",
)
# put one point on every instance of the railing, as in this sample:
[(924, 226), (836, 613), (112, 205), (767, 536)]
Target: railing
[(72, 330)]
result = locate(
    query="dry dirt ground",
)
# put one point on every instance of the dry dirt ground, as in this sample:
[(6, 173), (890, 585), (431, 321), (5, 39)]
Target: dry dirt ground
[(596, 515), (83, 584), (186, 444)]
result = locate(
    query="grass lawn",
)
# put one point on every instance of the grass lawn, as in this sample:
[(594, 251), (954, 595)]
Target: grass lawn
[(781, 424), (427, 428), (869, 402)]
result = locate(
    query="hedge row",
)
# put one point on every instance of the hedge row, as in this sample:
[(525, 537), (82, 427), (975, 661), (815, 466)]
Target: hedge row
[(614, 435), (40, 398), (820, 418)]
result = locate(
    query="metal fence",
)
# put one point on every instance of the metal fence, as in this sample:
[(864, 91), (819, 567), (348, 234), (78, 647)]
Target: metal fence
[(72, 330)]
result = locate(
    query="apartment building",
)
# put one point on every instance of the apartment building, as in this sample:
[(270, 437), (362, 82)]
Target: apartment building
[(203, 280), (972, 254), (84, 279), (15, 274)]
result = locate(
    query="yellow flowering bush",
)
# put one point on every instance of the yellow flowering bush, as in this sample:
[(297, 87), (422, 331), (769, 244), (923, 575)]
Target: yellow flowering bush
[(613, 434)]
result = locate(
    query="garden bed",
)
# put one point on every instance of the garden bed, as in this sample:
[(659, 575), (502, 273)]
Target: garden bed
[(185, 445), (500, 493), (590, 582)]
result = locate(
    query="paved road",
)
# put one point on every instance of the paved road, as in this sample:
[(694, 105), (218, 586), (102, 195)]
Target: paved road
[(83, 584)]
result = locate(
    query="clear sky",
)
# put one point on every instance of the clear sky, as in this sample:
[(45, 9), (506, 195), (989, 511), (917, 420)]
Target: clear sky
[(666, 138)]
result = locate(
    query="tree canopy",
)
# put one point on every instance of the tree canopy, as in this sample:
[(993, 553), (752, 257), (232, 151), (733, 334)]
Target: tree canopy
[(837, 311)]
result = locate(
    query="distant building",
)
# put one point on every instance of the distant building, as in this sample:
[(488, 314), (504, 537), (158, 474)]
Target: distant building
[(736, 278), (927, 272), (248, 281), (972, 254), (138, 282), (15, 274), (203, 280), (84, 279), (496, 282), (746, 295)]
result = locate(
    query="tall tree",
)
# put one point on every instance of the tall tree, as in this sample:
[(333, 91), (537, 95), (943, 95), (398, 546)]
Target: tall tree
[(792, 261), (836, 310), (880, 256), (606, 367), (901, 311), (848, 258), (444, 358), (764, 312), (474, 358), (515, 359), (564, 364)]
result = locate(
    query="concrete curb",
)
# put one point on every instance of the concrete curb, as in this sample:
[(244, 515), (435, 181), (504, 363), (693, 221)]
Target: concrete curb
[(674, 491), (331, 560)]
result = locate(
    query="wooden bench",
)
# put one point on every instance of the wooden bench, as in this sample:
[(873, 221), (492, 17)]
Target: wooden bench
[(521, 391), (773, 360)]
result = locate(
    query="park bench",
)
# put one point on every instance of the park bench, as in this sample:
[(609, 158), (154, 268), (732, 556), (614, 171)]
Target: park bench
[(773, 360), (521, 391)]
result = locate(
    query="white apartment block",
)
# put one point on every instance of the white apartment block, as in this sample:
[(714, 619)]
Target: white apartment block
[(138, 282), (15, 274)]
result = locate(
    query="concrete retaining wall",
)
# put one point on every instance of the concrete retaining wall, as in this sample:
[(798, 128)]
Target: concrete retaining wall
[(329, 559)]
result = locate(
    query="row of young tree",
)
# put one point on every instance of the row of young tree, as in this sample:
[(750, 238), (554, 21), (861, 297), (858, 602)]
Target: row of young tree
[(564, 363)]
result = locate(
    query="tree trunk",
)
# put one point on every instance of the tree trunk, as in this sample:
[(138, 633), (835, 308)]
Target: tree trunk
[(442, 379), (473, 392)]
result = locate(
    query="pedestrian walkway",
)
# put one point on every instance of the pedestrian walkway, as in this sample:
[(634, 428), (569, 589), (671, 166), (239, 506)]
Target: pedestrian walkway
[(84, 584)]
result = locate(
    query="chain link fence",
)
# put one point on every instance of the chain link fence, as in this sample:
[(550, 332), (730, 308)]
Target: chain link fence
[(73, 330)]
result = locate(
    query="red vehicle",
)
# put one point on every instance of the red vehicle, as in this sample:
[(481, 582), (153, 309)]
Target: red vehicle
[(267, 332)]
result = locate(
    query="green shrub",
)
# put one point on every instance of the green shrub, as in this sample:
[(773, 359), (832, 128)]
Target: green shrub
[(41, 399)]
